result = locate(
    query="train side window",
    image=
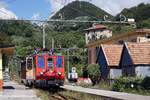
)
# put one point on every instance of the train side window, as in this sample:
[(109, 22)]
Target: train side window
[(59, 62), (41, 61), (29, 63), (50, 63)]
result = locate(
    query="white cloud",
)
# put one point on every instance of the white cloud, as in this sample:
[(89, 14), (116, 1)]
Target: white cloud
[(111, 6), (35, 16), (6, 14), (3, 4)]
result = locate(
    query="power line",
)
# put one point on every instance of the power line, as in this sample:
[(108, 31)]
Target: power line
[(71, 21)]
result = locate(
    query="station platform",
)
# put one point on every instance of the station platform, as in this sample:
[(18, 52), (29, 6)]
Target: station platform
[(110, 95), (14, 91)]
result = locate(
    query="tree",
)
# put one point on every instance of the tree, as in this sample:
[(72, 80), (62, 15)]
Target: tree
[(94, 73)]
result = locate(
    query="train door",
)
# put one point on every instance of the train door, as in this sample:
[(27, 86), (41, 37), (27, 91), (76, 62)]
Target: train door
[(51, 71), (29, 68), (60, 66), (40, 67)]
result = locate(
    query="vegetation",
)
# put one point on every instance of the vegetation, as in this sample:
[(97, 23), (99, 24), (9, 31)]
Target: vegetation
[(132, 85), (64, 95), (139, 13), (27, 36), (77, 9), (94, 73)]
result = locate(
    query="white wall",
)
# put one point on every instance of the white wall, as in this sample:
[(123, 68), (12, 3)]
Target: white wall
[(115, 73), (142, 71)]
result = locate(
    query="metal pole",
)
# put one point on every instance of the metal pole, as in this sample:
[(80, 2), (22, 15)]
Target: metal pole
[(52, 43), (43, 35), (68, 61)]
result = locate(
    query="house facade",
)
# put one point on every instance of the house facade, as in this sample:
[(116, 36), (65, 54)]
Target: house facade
[(97, 32), (135, 59), (108, 59), (137, 36)]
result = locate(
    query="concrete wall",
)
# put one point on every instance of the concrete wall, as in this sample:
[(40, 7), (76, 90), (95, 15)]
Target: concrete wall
[(115, 73), (97, 34), (142, 71)]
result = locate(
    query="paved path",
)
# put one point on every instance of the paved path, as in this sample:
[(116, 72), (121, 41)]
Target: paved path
[(105, 93), (13, 91)]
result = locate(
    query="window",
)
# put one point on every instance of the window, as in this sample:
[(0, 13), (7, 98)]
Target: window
[(88, 32), (59, 62), (29, 63), (148, 36), (101, 37), (88, 38), (50, 63), (93, 37), (121, 42), (41, 62)]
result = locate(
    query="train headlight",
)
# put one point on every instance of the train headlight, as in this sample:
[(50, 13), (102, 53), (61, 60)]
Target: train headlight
[(59, 73), (50, 71), (41, 73)]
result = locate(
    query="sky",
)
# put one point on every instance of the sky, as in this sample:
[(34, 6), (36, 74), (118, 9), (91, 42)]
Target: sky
[(43, 9)]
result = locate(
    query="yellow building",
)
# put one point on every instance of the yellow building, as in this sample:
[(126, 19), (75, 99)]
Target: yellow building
[(142, 35), (6, 51)]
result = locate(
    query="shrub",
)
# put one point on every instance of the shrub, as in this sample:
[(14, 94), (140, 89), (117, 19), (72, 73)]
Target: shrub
[(146, 83), (94, 73), (126, 83)]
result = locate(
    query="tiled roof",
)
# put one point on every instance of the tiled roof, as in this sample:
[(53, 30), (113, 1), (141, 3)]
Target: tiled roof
[(112, 53), (97, 27), (139, 52)]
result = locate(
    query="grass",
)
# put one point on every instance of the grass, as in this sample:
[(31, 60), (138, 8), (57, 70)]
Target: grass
[(79, 95), (70, 95)]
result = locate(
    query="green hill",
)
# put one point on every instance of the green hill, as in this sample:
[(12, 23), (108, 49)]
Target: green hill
[(139, 13), (81, 8)]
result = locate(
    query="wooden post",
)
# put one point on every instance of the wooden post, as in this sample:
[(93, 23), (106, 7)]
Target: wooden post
[(1, 74)]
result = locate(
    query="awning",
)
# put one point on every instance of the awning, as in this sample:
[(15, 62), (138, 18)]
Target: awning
[(7, 50)]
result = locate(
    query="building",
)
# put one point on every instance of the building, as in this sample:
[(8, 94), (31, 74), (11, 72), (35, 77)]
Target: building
[(97, 32), (135, 59), (108, 60), (4, 51), (133, 36)]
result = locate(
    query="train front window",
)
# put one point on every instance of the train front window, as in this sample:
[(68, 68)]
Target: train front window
[(50, 63), (59, 62), (29, 63), (41, 62)]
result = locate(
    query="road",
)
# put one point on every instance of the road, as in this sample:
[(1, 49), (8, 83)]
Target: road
[(14, 91)]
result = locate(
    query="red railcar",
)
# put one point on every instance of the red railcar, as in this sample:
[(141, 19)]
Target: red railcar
[(43, 68)]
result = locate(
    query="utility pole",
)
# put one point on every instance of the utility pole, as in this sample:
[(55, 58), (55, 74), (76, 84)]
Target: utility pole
[(44, 35), (53, 44), (68, 61)]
